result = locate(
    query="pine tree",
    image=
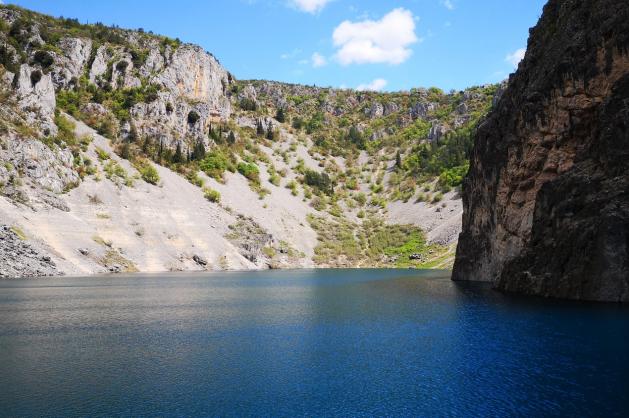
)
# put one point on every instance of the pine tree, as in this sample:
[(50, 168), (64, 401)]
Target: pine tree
[(270, 134), (126, 151), (199, 151), (279, 115), (160, 150), (259, 128), (178, 157), (356, 137), (133, 133)]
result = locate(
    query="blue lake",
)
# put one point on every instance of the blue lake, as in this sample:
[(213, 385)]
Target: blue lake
[(305, 343)]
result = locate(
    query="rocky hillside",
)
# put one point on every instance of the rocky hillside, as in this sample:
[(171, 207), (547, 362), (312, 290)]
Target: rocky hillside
[(546, 200), (122, 150)]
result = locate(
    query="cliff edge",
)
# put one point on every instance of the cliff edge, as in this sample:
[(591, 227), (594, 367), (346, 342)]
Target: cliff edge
[(546, 199)]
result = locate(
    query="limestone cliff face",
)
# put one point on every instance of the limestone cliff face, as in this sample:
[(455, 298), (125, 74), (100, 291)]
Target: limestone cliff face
[(547, 195), (187, 79)]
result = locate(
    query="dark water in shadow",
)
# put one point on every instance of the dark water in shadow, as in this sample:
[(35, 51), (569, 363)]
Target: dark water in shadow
[(305, 343)]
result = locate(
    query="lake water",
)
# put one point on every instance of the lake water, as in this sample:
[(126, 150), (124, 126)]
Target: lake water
[(305, 343)]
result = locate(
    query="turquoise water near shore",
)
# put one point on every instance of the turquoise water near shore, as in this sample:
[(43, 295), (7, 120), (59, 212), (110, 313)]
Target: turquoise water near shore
[(305, 343)]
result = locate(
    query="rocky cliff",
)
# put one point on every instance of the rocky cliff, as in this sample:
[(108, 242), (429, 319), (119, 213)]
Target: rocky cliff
[(546, 200)]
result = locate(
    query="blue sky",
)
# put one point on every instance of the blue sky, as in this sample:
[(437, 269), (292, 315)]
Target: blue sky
[(382, 45)]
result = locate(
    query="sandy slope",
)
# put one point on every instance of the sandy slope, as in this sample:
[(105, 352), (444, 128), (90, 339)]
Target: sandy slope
[(158, 228), (441, 221)]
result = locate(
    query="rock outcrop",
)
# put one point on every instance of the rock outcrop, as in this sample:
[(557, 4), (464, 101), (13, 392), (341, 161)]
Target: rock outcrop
[(20, 259), (546, 200)]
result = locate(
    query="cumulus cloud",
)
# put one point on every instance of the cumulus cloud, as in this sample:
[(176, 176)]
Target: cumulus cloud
[(318, 60), (448, 4), (376, 85), (515, 57), (310, 6), (376, 41)]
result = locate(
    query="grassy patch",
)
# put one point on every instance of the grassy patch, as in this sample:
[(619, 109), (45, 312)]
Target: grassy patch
[(114, 258), (370, 244), (147, 171), (212, 195)]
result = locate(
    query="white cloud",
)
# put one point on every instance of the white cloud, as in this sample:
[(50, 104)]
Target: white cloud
[(376, 85), (318, 60), (382, 41), (310, 6), (515, 58), (448, 4)]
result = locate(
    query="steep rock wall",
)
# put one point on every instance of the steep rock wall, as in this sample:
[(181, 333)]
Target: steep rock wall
[(546, 200)]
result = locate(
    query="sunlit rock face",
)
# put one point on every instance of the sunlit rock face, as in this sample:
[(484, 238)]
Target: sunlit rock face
[(547, 195)]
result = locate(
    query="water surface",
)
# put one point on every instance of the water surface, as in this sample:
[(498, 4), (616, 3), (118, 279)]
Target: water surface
[(304, 343)]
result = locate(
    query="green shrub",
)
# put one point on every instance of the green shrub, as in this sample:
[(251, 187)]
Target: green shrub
[(274, 179), (65, 131), (361, 199), (148, 172), (279, 115), (102, 154), (318, 203), (453, 177), (214, 164), (321, 181), (292, 185), (212, 195), (250, 171), (248, 104)]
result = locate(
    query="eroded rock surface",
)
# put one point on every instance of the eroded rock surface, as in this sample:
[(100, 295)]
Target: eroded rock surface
[(546, 201)]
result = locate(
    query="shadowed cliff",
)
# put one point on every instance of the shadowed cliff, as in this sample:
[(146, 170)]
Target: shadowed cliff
[(546, 200)]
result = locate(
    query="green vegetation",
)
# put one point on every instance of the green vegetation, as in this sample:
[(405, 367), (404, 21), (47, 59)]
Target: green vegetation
[(147, 171), (248, 104), (212, 195), (321, 181), (116, 173), (113, 258), (372, 243), (65, 131), (102, 154), (279, 115), (215, 163), (250, 171)]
